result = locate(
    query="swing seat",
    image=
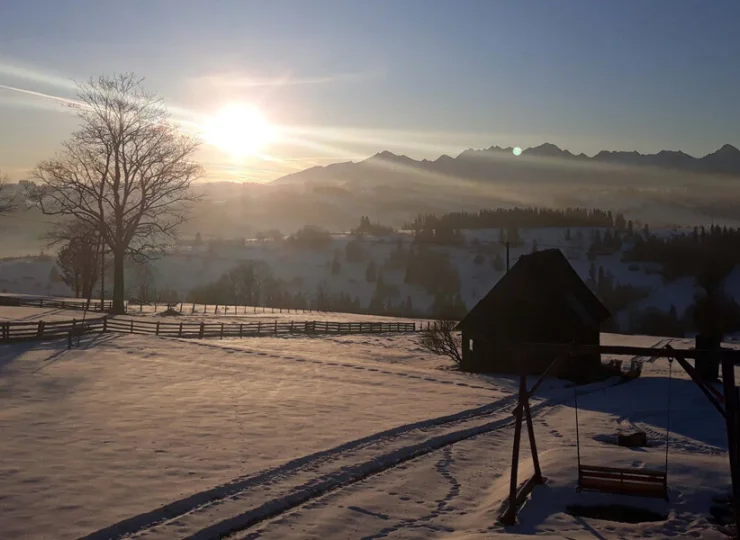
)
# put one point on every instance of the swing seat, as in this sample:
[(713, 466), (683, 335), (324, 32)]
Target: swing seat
[(632, 482)]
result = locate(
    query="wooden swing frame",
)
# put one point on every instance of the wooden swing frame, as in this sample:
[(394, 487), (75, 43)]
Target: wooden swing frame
[(615, 480)]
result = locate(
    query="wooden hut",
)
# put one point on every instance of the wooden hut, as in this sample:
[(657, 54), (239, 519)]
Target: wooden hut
[(541, 299)]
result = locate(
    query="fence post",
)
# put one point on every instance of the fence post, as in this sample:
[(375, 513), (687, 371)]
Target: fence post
[(179, 332), (215, 309), (69, 340), (305, 329), (259, 325), (156, 333), (291, 327), (105, 324), (41, 329), (141, 306), (276, 326), (202, 329), (193, 308), (41, 303), (241, 327), (131, 331), (222, 330)]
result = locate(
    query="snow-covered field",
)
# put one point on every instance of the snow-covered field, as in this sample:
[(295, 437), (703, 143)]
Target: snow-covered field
[(341, 437)]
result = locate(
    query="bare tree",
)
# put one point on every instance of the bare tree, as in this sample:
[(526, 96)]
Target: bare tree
[(126, 172), (7, 199), (442, 339), (78, 260)]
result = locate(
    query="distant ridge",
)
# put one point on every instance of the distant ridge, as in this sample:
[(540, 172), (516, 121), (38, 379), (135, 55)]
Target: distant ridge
[(493, 162)]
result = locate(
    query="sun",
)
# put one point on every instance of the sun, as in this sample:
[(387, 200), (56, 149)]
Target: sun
[(239, 130)]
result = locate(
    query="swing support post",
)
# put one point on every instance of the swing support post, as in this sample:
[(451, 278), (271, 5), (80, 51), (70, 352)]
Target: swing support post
[(732, 420), (517, 495)]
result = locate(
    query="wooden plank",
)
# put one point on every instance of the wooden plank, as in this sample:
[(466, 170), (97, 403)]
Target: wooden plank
[(587, 469), (623, 350)]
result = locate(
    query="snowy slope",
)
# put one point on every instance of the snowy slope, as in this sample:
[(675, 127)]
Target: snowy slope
[(305, 269)]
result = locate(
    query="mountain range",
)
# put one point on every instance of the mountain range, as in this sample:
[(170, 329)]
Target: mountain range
[(539, 162)]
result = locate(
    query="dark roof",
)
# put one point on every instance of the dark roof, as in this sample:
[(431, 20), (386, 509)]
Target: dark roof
[(533, 283)]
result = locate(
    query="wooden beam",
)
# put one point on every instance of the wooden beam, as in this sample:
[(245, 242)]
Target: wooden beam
[(509, 516), (650, 352), (563, 354), (701, 383), (533, 443)]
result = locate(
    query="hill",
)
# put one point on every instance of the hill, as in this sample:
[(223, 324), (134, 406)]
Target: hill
[(545, 162)]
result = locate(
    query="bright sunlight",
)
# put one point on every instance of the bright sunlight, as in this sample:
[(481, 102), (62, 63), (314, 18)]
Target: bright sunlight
[(239, 130)]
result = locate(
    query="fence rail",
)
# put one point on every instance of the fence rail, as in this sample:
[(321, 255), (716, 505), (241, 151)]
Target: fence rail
[(38, 330), (136, 306), (56, 303)]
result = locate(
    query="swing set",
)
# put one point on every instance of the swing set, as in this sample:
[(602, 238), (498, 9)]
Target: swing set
[(626, 481)]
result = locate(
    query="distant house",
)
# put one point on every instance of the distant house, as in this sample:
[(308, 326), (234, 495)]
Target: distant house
[(541, 299)]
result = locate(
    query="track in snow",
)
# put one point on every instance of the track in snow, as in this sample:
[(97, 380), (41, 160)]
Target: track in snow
[(219, 511), (291, 468)]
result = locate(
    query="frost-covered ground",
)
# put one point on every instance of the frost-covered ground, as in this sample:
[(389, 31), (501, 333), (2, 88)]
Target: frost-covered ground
[(343, 437)]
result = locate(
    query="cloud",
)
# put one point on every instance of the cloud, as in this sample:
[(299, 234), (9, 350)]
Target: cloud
[(35, 75), (239, 80)]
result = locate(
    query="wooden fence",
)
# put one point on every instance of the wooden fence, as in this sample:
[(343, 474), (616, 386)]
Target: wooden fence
[(135, 306), (37, 330), (56, 303), (20, 331)]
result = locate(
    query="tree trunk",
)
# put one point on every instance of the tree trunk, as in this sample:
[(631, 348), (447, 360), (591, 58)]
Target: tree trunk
[(118, 307)]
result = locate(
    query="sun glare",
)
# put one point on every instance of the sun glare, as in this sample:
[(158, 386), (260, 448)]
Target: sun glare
[(239, 130)]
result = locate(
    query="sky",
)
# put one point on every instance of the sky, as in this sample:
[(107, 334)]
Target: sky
[(340, 80)]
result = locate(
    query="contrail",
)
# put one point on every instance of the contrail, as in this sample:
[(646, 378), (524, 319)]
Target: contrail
[(64, 101)]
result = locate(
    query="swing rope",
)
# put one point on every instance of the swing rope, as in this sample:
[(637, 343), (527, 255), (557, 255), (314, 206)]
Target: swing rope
[(578, 436), (668, 420), (668, 415)]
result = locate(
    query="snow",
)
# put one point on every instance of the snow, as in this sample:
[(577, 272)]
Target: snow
[(337, 437), (680, 293)]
